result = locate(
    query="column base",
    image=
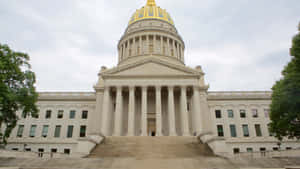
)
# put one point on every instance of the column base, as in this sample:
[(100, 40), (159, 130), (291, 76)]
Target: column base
[(130, 135), (186, 134), (173, 134)]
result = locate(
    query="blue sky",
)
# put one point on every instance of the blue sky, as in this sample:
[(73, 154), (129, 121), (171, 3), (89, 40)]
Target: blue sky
[(240, 44)]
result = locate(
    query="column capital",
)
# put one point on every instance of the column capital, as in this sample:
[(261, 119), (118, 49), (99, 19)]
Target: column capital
[(145, 87), (171, 87), (119, 87), (131, 87), (157, 87)]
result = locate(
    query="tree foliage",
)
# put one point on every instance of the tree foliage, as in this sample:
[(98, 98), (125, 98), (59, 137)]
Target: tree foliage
[(285, 107), (17, 90)]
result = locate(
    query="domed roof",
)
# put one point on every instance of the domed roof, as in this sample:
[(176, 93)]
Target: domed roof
[(151, 11)]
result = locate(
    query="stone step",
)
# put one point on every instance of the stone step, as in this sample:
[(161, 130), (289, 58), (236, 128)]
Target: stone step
[(151, 147)]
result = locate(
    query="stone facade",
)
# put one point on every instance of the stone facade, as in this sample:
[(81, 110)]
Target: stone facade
[(151, 92)]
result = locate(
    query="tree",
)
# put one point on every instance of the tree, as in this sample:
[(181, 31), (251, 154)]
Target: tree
[(17, 90), (285, 107)]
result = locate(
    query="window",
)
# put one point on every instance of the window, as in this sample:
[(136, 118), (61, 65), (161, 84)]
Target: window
[(262, 149), (243, 113), (249, 150), (72, 114), (246, 130), (53, 150), (67, 151), (45, 130), (288, 148), (32, 131), (48, 114), (172, 52), (60, 114), (130, 52), (84, 114), (151, 48), (41, 150), (254, 113), (275, 148), (138, 50), (267, 113), (28, 149), (24, 115), (70, 132), (15, 149), (82, 131), (233, 130), (220, 131), (218, 114), (20, 131), (258, 130), (230, 113), (57, 131), (236, 150)]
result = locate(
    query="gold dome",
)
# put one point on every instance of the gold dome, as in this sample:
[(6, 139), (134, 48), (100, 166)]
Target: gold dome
[(151, 11)]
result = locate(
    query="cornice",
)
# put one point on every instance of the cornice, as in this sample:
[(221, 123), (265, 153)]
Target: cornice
[(66, 96), (240, 95)]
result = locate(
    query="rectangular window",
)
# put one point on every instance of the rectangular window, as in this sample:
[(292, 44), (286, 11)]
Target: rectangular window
[(230, 113), (254, 113), (236, 150), (233, 130), (48, 114), (27, 149), (82, 131), (70, 132), (60, 114), (288, 148), (220, 131), (41, 150), (258, 130), (32, 131), (249, 150), (275, 148), (45, 130), (84, 114), (67, 151), (53, 150), (24, 115), (72, 114), (218, 114), (267, 113), (20, 131), (246, 130), (243, 113), (262, 149), (57, 131), (15, 149)]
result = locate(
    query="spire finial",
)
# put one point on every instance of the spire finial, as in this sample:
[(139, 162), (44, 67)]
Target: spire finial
[(151, 3)]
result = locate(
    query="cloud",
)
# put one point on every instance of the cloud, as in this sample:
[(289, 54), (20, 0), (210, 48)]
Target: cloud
[(241, 45)]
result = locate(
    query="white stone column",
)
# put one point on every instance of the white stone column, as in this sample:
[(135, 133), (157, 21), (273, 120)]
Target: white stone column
[(171, 111), (197, 111), (154, 40), (105, 109), (168, 47), (174, 49), (131, 112), (134, 47), (177, 49), (158, 111), (118, 113), (182, 53), (184, 112), (141, 44), (144, 111), (161, 44), (147, 44)]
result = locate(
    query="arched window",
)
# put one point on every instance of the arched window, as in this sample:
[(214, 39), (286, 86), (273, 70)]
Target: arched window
[(151, 48)]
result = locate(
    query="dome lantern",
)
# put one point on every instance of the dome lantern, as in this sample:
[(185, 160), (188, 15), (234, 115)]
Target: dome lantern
[(151, 3)]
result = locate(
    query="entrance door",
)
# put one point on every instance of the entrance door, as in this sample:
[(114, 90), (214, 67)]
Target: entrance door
[(151, 127)]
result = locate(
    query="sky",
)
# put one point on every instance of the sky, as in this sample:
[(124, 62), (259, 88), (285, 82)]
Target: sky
[(242, 45)]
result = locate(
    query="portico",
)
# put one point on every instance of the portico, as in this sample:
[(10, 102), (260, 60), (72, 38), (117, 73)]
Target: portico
[(159, 109)]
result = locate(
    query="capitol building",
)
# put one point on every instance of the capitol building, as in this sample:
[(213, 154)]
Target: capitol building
[(151, 92)]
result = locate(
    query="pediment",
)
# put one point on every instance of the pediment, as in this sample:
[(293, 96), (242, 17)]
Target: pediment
[(152, 68)]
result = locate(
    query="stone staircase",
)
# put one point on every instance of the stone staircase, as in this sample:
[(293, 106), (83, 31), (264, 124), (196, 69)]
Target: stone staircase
[(149, 153), (151, 147)]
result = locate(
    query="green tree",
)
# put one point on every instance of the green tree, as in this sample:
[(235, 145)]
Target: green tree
[(17, 90), (285, 107)]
